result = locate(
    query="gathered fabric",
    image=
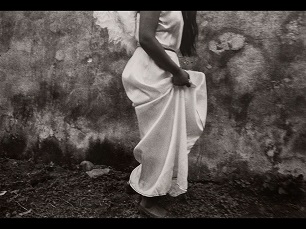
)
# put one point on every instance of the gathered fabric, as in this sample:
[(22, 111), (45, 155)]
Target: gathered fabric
[(170, 118)]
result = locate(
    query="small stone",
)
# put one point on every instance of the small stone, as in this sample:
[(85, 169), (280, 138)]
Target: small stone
[(60, 55), (237, 42), (86, 165), (212, 45), (97, 172), (54, 27), (270, 153), (2, 193)]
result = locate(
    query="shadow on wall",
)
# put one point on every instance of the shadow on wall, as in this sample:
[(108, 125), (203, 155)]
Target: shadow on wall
[(109, 153)]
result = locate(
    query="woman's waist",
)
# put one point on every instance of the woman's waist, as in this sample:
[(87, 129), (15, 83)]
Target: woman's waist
[(141, 63), (166, 47)]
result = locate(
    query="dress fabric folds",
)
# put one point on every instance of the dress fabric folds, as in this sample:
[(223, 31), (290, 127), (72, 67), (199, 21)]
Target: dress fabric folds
[(170, 118)]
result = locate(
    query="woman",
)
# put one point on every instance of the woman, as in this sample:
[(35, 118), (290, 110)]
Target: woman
[(170, 105)]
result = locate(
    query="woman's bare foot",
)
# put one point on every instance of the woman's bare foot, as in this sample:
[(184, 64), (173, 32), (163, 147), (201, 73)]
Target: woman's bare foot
[(149, 206)]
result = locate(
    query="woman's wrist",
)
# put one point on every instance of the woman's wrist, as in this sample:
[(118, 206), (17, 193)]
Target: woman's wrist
[(176, 71)]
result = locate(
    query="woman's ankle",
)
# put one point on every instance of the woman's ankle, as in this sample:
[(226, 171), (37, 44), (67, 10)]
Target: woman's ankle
[(148, 201)]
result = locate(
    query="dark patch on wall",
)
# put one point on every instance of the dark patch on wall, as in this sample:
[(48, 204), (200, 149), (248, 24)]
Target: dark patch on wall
[(50, 41), (49, 150), (42, 97), (225, 57), (13, 145), (75, 113), (290, 42), (289, 52), (122, 106), (56, 92), (23, 107), (299, 144), (49, 92), (300, 104), (239, 108), (283, 123), (2, 76), (109, 153), (289, 133), (7, 24), (277, 73)]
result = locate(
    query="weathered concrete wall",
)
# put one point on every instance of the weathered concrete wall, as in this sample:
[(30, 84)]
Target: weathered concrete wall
[(62, 96)]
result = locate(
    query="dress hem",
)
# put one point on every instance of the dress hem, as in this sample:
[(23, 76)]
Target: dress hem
[(167, 193)]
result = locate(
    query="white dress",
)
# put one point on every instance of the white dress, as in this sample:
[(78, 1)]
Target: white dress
[(170, 118)]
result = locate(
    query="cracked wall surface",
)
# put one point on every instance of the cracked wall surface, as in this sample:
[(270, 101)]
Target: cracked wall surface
[(62, 99)]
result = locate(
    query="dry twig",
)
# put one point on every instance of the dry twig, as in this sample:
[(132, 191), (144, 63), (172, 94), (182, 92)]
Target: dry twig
[(67, 202)]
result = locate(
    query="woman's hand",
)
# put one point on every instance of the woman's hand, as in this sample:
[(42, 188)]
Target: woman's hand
[(181, 78)]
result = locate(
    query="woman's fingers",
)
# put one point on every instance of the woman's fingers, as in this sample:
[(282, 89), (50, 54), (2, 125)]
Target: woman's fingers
[(182, 79), (187, 84)]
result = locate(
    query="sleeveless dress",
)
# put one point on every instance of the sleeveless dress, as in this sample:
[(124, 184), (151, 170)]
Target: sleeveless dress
[(170, 118)]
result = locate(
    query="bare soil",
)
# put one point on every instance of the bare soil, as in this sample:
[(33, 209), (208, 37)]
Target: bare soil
[(37, 190)]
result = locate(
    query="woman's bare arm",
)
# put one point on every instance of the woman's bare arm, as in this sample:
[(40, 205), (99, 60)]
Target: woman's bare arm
[(147, 28)]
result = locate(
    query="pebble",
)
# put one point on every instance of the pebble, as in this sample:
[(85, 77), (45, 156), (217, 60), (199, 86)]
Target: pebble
[(97, 172), (86, 165)]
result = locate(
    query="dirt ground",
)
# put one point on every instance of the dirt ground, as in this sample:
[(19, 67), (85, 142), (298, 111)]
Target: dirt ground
[(37, 190)]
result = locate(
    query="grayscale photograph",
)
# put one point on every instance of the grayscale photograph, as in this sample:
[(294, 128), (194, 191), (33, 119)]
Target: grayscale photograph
[(152, 114)]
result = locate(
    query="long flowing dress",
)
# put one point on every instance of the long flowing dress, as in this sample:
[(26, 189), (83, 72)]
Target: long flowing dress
[(170, 118)]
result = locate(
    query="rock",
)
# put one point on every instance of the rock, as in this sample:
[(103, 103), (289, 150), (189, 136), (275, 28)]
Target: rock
[(2, 193), (60, 55), (86, 165), (97, 172), (270, 153), (227, 41), (287, 80), (208, 66)]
